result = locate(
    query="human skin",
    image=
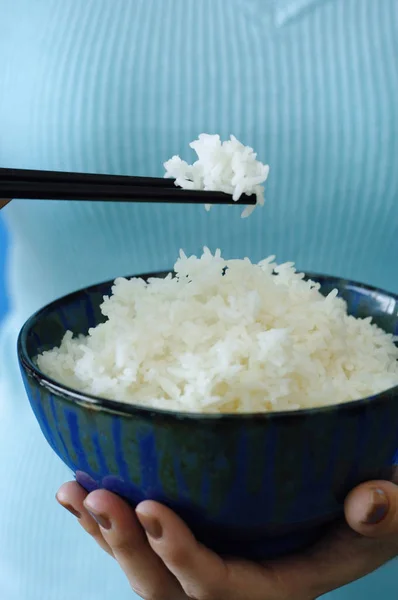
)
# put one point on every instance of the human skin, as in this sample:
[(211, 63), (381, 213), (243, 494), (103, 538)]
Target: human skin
[(162, 560)]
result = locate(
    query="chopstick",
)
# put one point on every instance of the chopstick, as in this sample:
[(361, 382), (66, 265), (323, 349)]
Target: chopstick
[(56, 185), (29, 175)]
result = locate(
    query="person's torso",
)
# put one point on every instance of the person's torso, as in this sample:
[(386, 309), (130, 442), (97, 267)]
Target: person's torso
[(119, 87)]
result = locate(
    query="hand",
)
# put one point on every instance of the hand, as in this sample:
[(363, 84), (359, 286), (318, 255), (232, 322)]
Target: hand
[(163, 561)]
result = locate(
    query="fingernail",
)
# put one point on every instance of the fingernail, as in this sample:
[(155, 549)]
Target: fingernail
[(102, 520), (151, 525), (377, 508), (70, 508)]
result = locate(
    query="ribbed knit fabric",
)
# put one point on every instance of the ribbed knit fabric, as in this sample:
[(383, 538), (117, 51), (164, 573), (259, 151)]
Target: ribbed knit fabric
[(119, 86)]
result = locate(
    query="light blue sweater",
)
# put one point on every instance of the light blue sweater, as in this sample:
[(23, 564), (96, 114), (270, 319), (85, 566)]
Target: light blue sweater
[(121, 85)]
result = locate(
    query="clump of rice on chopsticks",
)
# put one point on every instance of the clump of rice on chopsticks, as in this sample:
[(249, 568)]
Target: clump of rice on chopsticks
[(228, 167)]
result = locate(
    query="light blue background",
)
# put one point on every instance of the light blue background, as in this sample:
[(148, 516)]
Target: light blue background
[(3, 253)]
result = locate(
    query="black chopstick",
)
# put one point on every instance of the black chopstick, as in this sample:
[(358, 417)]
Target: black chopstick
[(29, 175), (54, 185)]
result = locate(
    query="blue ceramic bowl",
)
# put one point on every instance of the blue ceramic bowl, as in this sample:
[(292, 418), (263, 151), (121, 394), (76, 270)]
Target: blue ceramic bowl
[(255, 485)]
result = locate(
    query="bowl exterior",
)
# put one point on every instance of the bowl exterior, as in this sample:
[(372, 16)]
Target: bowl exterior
[(255, 487)]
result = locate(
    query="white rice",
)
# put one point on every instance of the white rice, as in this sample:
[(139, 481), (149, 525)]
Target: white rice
[(228, 167), (246, 341)]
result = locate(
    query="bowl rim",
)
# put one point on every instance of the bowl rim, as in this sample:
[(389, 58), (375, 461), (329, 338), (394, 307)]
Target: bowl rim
[(103, 404)]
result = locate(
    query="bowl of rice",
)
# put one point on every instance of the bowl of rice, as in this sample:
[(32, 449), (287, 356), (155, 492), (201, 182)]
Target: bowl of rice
[(249, 398)]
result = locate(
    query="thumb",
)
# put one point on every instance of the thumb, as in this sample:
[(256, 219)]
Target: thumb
[(372, 509)]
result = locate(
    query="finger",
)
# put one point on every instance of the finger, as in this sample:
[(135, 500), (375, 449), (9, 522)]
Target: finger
[(120, 528), (71, 496), (201, 573), (3, 202), (372, 509)]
